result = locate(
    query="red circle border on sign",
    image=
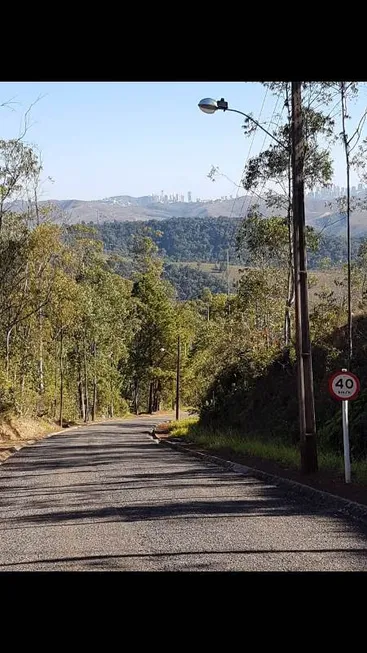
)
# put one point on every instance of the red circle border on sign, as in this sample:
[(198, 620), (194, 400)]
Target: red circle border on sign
[(330, 382)]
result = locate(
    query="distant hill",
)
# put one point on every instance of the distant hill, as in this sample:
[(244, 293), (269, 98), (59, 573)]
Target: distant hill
[(123, 208)]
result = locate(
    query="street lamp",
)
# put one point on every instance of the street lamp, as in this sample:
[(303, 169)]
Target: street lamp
[(303, 342), (208, 105)]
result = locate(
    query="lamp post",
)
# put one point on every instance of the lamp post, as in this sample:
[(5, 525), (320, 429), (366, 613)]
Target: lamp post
[(303, 343)]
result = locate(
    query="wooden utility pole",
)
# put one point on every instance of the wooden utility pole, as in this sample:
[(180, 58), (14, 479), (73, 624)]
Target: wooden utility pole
[(303, 341), (178, 379)]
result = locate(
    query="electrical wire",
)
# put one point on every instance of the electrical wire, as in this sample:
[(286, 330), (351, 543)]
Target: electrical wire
[(262, 147), (249, 151)]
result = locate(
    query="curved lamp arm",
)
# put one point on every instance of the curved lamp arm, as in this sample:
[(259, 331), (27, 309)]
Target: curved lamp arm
[(211, 106)]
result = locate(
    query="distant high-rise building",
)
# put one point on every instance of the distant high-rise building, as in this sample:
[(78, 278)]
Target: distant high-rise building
[(353, 191), (182, 198), (189, 196), (360, 186)]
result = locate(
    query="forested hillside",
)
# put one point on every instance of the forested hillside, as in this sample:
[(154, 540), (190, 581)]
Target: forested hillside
[(208, 240), (179, 239)]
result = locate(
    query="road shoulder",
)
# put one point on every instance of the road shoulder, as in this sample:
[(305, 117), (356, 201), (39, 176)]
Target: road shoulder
[(334, 494)]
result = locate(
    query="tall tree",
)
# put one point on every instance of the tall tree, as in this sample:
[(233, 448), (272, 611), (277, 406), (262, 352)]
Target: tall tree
[(274, 163)]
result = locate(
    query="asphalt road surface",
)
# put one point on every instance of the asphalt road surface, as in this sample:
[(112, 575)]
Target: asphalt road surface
[(108, 497)]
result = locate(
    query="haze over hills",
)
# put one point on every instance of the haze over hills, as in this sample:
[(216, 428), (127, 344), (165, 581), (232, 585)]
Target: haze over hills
[(122, 208)]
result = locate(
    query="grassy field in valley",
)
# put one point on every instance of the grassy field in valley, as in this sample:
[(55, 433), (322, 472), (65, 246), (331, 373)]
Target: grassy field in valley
[(318, 279)]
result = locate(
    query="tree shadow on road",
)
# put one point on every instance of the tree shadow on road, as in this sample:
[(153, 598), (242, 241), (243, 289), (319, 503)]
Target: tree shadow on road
[(206, 492)]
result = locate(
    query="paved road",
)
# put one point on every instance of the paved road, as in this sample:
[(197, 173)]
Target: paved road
[(109, 498)]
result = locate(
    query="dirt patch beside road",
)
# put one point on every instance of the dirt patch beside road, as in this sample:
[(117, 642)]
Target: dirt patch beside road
[(18, 432)]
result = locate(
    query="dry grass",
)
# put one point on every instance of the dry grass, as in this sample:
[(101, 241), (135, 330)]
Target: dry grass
[(17, 432), (318, 279)]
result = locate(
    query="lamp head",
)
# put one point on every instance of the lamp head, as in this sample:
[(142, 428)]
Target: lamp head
[(208, 105)]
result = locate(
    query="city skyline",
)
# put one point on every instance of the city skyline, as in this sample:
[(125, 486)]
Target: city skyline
[(332, 191)]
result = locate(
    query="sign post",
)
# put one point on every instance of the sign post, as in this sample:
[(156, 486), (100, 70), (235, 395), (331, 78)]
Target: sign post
[(344, 386), (346, 440)]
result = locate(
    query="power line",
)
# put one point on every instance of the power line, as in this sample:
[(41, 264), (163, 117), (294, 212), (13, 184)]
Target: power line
[(249, 151), (261, 149)]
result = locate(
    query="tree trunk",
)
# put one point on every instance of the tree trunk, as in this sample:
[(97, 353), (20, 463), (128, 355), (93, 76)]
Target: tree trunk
[(150, 403), (157, 389), (54, 402), (40, 315), (111, 407), (41, 386), (8, 334), (136, 395), (94, 409), (61, 378), (22, 386), (36, 207), (86, 418), (173, 394), (80, 390)]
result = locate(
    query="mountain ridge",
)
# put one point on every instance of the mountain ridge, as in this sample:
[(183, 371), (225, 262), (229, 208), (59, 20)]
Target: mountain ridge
[(123, 208)]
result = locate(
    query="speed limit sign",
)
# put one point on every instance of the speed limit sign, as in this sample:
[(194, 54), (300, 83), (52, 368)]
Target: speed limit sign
[(344, 385)]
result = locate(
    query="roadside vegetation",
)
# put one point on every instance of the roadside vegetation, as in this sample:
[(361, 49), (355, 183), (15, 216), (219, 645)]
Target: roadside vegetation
[(228, 441)]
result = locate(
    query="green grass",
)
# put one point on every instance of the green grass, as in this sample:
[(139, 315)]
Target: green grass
[(276, 451)]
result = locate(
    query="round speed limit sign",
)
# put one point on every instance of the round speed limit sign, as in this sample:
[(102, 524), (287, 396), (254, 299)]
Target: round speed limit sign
[(344, 385)]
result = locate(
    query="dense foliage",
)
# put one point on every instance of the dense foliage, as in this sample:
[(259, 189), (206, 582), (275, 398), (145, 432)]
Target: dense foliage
[(179, 239), (205, 240), (190, 282)]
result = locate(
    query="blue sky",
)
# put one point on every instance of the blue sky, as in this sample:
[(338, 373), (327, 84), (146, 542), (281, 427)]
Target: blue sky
[(113, 138)]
